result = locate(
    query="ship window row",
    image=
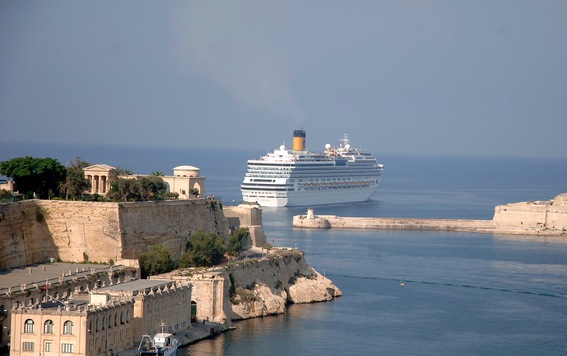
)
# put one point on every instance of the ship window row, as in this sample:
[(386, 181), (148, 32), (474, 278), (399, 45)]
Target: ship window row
[(272, 189), (323, 187)]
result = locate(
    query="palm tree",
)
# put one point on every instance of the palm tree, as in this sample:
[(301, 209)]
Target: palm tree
[(157, 174)]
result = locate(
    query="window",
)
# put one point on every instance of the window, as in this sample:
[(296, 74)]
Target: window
[(28, 327), (28, 346), (48, 346), (67, 348), (48, 327), (68, 328)]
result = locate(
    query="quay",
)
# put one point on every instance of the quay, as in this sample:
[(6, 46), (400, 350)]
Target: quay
[(198, 331)]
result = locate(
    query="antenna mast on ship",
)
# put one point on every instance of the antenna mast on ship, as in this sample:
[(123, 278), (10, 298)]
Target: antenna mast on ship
[(344, 141)]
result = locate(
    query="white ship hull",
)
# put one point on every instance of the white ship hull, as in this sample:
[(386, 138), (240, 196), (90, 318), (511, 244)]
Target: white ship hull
[(313, 198)]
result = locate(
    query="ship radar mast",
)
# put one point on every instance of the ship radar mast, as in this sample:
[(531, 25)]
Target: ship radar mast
[(344, 142)]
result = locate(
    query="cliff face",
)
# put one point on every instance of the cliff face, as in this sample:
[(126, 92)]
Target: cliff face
[(263, 287), (35, 230)]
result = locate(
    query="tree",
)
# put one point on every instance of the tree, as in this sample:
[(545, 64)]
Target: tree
[(152, 188), (203, 249), (76, 183), (155, 261), (124, 189), (234, 242), (157, 173), (194, 192), (4, 194), (41, 176)]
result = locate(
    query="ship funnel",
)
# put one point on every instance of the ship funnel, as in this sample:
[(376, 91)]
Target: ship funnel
[(299, 140)]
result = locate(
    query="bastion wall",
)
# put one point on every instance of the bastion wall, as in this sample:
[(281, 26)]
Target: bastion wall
[(33, 231), (538, 215)]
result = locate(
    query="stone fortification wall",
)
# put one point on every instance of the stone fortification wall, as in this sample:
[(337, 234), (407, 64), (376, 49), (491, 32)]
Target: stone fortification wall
[(332, 221), (170, 223), (34, 231), (250, 216), (24, 235), (549, 215)]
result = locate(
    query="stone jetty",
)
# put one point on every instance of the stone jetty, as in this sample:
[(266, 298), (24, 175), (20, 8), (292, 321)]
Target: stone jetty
[(524, 218)]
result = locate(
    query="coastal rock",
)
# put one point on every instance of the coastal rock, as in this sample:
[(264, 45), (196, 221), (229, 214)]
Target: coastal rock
[(313, 289), (280, 278), (260, 301)]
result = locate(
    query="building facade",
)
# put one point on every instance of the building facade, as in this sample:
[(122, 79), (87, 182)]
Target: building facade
[(28, 288), (99, 326)]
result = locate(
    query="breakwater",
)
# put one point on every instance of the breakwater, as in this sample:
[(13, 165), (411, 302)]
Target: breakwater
[(524, 218)]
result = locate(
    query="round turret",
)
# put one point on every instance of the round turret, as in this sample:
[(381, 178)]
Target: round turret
[(186, 171)]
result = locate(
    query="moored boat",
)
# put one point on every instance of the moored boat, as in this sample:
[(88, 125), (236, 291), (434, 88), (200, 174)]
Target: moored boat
[(162, 344)]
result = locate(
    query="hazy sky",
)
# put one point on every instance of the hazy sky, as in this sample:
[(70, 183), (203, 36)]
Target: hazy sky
[(400, 76)]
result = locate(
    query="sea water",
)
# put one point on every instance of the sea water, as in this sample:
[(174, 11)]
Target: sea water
[(423, 293), (405, 292)]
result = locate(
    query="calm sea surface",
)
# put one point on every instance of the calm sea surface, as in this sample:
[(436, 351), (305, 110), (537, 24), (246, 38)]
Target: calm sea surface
[(464, 294)]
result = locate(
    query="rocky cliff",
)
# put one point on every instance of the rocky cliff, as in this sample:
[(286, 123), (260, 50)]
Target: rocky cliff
[(265, 286), (256, 287)]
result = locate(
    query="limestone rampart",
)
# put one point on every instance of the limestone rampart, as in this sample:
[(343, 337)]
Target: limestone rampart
[(34, 231), (250, 216)]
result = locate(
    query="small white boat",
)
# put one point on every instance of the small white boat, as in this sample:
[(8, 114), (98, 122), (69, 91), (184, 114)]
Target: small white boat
[(162, 344)]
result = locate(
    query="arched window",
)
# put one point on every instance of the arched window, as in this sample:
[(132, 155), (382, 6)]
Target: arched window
[(28, 327), (122, 317), (68, 328), (103, 322), (48, 327), (115, 319), (109, 321)]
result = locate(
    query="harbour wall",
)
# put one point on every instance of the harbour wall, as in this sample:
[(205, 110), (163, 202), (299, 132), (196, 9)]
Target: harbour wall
[(524, 218)]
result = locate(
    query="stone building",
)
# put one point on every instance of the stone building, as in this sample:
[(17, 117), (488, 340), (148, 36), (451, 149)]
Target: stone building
[(159, 305), (98, 318), (99, 326), (182, 182), (28, 287)]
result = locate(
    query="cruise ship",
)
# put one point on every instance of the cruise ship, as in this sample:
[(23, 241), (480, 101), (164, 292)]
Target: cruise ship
[(298, 177)]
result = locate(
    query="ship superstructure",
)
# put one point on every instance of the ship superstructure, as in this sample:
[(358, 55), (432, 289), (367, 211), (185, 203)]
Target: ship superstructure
[(298, 177)]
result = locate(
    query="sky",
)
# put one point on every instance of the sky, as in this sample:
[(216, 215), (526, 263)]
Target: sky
[(483, 77)]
